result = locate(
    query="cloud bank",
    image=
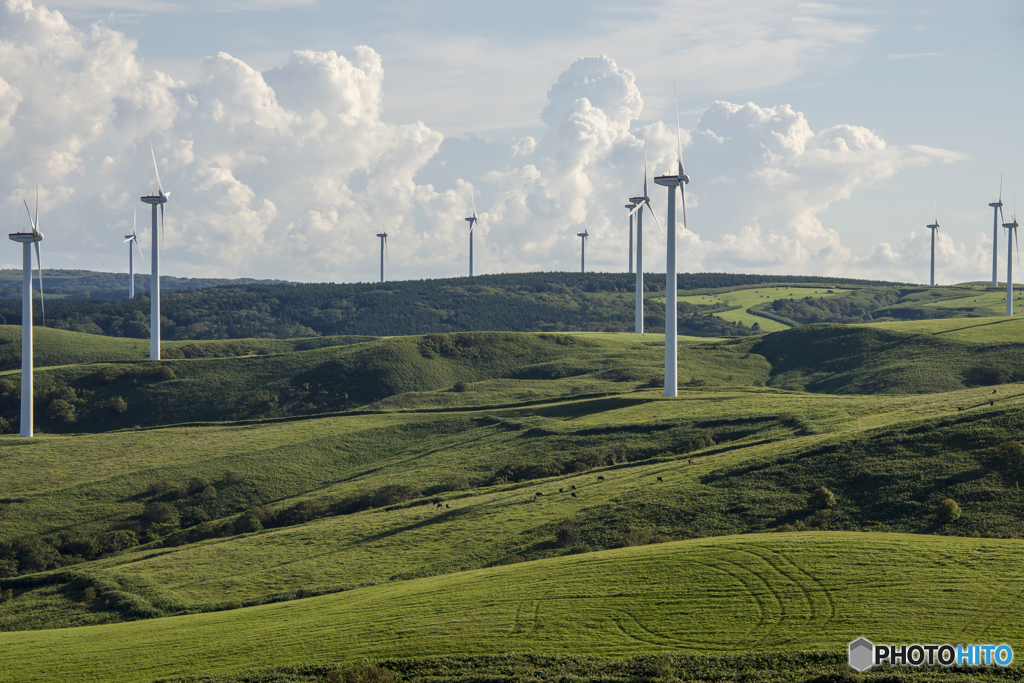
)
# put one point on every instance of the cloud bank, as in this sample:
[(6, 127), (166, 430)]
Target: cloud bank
[(288, 173)]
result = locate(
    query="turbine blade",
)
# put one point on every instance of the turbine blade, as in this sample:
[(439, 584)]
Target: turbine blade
[(161, 234), (39, 272), (682, 188), (645, 170), (474, 204), (135, 220), (31, 223), (648, 203), (36, 222), (139, 248), (1000, 188), (635, 209), (679, 139), (159, 187)]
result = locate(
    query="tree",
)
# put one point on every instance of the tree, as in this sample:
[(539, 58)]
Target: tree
[(821, 499), (566, 533), (947, 511)]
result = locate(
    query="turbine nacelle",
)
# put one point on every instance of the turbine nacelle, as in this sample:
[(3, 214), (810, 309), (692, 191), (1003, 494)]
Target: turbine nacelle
[(26, 237), (669, 180)]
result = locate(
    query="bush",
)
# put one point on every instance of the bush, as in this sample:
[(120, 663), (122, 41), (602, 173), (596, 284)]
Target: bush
[(988, 372), (209, 493), (118, 405), (160, 513), (947, 511), (163, 373), (460, 386), (579, 549), (157, 488), (821, 499), (638, 537), (247, 523), (197, 484), (4, 425), (566, 533), (61, 411), (233, 477)]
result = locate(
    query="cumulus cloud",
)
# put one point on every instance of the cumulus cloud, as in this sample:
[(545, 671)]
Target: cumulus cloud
[(288, 172)]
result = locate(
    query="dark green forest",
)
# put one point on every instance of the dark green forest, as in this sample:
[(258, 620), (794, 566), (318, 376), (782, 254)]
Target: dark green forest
[(544, 302)]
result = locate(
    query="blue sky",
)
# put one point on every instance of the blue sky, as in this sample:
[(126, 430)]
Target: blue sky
[(862, 115)]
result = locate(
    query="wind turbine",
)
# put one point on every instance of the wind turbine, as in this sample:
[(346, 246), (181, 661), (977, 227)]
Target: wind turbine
[(629, 207), (383, 247), (28, 239), (997, 213), (935, 229), (583, 252), (1011, 237), (472, 219), (134, 237), (154, 280), (638, 208), (671, 326)]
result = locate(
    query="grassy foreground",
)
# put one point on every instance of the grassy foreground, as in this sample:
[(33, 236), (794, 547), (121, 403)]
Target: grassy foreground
[(754, 593)]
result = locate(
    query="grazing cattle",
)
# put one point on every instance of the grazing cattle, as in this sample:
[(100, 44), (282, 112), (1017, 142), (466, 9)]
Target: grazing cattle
[(994, 391), (573, 487), (573, 495), (539, 494), (447, 506), (991, 403), (438, 505), (660, 479), (561, 491), (959, 408), (600, 478), (690, 461)]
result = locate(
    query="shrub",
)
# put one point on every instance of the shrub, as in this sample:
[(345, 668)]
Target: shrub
[(89, 594), (514, 559), (233, 477), (758, 382), (61, 411), (163, 373), (4, 425), (247, 523), (579, 549), (576, 391), (209, 493), (566, 533), (160, 513), (987, 372), (118, 405), (6, 386), (157, 487), (656, 382), (197, 484), (821, 499), (947, 511), (637, 537), (460, 386)]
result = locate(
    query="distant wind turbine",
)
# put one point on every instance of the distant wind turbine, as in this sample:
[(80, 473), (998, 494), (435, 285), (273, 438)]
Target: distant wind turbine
[(383, 235), (679, 180), (583, 251), (997, 213), (133, 238), (28, 239), (638, 208), (472, 219), (1011, 238), (935, 229), (154, 281)]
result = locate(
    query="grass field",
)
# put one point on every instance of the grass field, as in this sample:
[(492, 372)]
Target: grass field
[(729, 594), (993, 301), (745, 298)]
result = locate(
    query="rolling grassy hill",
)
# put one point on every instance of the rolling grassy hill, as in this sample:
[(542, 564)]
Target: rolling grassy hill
[(729, 594), (253, 481)]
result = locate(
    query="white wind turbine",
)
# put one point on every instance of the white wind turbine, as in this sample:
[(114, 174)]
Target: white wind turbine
[(934, 227), (638, 208), (583, 251), (383, 247), (1011, 238), (154, 281), (997, 213), (28, 239), (472, 219), (671, 325), (134, 237)]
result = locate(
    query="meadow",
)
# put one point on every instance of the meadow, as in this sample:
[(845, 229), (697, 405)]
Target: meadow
[(267, 503)]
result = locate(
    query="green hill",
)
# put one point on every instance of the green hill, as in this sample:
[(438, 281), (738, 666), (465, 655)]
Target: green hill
[(751, 593)]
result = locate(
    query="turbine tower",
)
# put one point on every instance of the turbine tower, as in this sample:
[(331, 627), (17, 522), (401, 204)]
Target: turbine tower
[(28, 239), (154, 281), (583, 251), (134, 237), (1011, 237), (997, 213), (629, 208), (671, 326), (472, 219), (935, 229), (383, 247), (638, 209)]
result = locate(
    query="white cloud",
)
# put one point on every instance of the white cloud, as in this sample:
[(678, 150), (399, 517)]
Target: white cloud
[(287, 173)]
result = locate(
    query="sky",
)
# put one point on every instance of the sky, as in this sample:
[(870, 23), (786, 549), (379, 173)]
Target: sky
[(820, 138)]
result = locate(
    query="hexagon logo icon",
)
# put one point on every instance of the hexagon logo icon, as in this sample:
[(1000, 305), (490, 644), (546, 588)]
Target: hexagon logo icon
[(861, 654)]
